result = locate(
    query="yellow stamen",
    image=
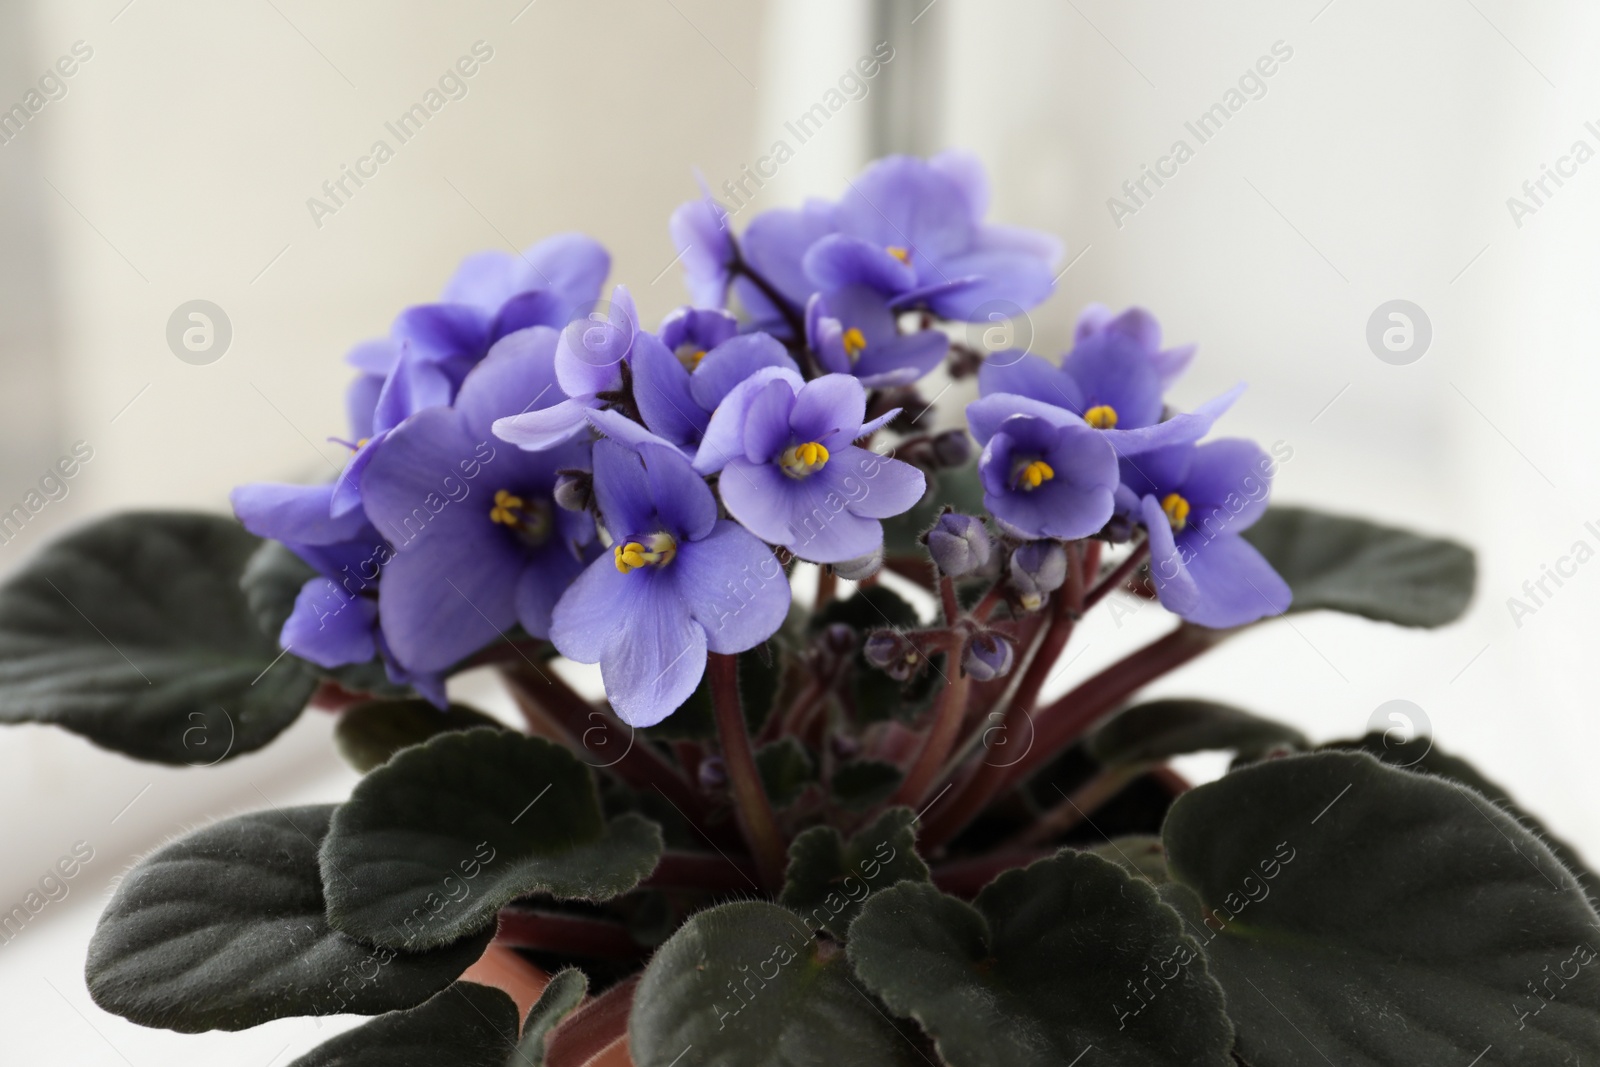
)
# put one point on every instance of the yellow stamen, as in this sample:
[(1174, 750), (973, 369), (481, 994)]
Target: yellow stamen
[(658, 549), (801, 461), (1177, 509), (363, 441), (507, 508), (1101, 417), (902, 254), (854, 343), (1032, 475), (690, 356)]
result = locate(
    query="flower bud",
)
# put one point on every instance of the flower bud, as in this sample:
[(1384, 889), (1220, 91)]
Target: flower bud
[(953, 448), (833, 647), (713, 773), (574, 490), (1037, 569), (891, 653), (839, 639), (958, 543), (988, 656), (854, 570)]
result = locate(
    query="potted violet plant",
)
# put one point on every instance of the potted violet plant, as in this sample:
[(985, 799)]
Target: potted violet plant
[(844, 828)]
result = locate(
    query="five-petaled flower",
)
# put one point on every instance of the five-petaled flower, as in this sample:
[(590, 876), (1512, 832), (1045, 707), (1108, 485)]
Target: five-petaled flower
[(792, 473), (720, 436), (480, 545), (677, 583), (1195, 500)]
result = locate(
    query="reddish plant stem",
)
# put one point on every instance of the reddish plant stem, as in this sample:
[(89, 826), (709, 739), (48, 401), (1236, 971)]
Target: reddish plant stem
[(1091, 565), (547, 697), (1058, 726), (910, 568), (791, 316), (593, 1028), (963, 878), (947, 597), (984, 697), (331, 696), (980, 787), (1084, 801), (689, 755), (1175, 783), (1078, 575), (990, 600), (701, 870), (794, 719), (558, 932), (1118, 577), (751, 805), (827, 587), (948, 715)]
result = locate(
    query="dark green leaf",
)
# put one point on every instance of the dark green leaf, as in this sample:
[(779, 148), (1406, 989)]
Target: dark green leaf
[(1050, 960), (133, 632), (828, 880), (271, 581), (1138, 854), (745, 984), (467, 1025), (959, 488), (786, 769), (863, 784), (1161, 729), (224, 929), (560, 998), (1357, 914), (1350, 565), (1421, 755), (433, 843), (368, 734)]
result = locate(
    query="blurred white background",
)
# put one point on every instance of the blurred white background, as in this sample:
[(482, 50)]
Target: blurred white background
[(1374, 164)]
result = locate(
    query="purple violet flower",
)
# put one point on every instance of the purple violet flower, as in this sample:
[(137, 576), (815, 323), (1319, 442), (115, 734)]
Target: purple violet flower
[(853, 331), (675, 392), (915, 229), (791, 473), (432, 347), (704, 240), (480, 545), (589, 364), (334, 621), (1108, 380), (774, 245), (677, 583), (1141, 327), (1195, 501), (689, 330), (1045, 472)]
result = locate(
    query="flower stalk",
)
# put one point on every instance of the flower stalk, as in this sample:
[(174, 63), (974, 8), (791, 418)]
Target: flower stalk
[(752, 807)]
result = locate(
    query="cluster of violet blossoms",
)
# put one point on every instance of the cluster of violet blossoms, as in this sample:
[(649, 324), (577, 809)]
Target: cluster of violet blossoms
[(527, 457)]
